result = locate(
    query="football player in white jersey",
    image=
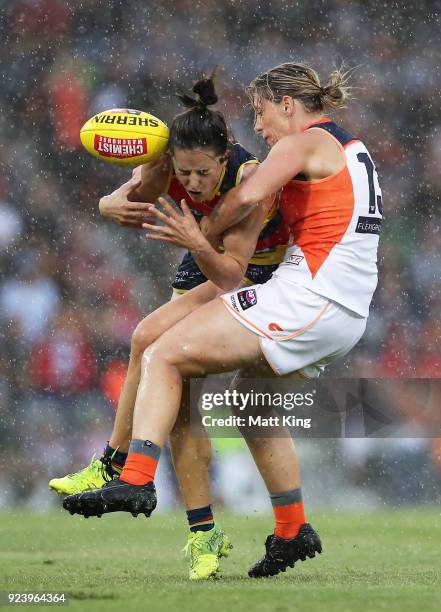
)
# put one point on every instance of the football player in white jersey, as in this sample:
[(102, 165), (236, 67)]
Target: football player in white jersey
[(312, 310)]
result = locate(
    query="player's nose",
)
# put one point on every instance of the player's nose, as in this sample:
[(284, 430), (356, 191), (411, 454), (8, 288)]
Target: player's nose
[(193, 182)]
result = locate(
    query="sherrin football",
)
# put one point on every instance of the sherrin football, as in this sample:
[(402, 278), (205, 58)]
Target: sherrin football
[(124, 137)]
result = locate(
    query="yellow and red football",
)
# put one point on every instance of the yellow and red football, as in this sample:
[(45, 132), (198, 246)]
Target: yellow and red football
[(124, 137)]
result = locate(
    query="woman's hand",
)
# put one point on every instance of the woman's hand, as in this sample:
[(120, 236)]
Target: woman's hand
[(179, 229), (119, 207)]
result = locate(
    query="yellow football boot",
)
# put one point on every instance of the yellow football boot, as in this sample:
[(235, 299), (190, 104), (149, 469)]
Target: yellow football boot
[(94, 476), (206, 548)]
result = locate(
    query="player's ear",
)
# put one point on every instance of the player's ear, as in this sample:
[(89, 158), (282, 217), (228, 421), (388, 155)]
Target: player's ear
[(223, 159), (288, 106)]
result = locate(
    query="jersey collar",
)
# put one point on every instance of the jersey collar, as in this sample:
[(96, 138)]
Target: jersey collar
[(324, 120)]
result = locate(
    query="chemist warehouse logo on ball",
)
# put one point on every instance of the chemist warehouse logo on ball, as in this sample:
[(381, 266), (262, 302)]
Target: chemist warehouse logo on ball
[(247, 298), (120, 147)]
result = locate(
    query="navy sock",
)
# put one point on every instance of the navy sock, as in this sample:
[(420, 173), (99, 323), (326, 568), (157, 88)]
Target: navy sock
[(117, 457), (200, 519)]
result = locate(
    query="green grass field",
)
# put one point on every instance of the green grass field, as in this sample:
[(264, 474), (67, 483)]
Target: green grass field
[(378, 561)]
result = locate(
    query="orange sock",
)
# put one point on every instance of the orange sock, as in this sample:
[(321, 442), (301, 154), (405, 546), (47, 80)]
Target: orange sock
[(141, 463), (139, 469), (289, 513)]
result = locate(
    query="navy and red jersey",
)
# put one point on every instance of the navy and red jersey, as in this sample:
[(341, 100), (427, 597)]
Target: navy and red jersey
[(274, 236)]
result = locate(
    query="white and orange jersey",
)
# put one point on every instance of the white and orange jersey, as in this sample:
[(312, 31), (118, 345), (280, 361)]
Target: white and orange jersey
[(335, 224)]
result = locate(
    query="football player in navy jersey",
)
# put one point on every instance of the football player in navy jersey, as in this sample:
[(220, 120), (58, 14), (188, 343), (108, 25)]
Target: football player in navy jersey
[(201, 165)]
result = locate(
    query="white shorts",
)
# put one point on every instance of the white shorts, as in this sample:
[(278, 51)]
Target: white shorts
[(300, 331)]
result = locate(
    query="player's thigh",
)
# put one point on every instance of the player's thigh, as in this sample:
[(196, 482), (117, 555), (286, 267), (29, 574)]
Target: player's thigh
[(208, 341), (264, 370), (163, 318)]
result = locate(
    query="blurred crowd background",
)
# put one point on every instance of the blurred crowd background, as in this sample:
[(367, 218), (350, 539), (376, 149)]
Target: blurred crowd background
[(73, 285)]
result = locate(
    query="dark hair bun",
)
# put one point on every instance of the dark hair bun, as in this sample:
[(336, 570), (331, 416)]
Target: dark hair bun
[(206, 92), (187, 101), (199, 126), (204, 88)]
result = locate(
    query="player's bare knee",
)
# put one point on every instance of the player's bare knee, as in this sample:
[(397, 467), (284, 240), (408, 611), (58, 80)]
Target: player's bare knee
[(143, 336), (148, 355), (165, 350), (158, 351)]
